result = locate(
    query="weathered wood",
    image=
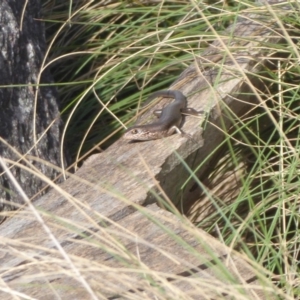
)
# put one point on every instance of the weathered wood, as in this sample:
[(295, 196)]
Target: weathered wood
[(138, 246), (111, 186), (29, 125)]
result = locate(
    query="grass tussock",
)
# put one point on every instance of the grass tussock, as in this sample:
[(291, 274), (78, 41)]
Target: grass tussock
[(106, 57)]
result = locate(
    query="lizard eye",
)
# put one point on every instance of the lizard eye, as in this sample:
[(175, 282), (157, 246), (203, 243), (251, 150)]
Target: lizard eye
[(134, 131)]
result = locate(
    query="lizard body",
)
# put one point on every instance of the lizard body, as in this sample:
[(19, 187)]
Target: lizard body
[(170, 118)]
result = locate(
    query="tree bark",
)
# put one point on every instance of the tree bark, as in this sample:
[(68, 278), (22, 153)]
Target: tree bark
[(22, 49)]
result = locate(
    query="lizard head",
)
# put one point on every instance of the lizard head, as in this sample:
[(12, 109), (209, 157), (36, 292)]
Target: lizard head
[(136, 134), (144, 133)]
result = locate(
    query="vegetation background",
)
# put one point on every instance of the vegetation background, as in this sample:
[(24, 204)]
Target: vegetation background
[(108, 56)]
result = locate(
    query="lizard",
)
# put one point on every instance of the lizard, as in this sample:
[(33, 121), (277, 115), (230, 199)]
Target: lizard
[(170, 118)]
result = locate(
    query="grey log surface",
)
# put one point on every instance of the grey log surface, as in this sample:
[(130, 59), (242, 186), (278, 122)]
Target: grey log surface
[(21, 115), (95, 214)]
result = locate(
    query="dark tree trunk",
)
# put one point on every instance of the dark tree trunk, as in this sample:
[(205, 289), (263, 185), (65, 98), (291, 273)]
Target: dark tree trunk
[(21, 55)]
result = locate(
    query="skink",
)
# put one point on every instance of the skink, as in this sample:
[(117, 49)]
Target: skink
[(170, 118)]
